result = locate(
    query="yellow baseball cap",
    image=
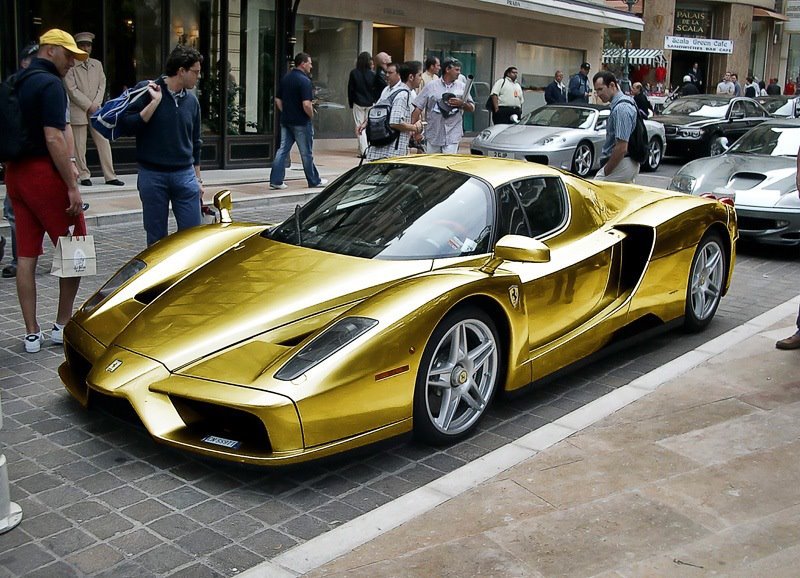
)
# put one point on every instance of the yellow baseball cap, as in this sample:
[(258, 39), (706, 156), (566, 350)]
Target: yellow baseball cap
[(56, 37)]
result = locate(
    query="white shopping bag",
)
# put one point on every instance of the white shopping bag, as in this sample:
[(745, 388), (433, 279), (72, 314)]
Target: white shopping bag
[(74, 257)]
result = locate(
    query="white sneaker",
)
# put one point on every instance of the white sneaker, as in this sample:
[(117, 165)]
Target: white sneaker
[(33, 342), (57, 334), (322, 183), (279, 187)]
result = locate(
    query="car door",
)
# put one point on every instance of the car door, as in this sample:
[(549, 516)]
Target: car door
[(754, 114), (581, 278), (737, 123)]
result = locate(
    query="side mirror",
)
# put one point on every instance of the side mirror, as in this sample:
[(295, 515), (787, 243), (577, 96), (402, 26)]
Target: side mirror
[(517, 248), (224, 203)]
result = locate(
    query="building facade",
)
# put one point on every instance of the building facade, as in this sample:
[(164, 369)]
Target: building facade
[(745, 37), (247, 45)]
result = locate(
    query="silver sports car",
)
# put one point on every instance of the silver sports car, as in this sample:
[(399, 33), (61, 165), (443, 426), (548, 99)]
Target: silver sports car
[(758, 174), (565, 136)]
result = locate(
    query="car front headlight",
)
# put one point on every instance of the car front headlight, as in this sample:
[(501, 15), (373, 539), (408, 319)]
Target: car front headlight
[(683, 183), (790, 200), (324, 345), (690, 132), (485, 134), (122, 276), (551, 139)]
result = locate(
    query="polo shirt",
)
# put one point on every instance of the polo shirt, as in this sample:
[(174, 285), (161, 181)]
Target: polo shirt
[(43, 102), (293, 89)]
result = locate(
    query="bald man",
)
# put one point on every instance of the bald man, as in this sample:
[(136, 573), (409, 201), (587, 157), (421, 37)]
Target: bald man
[(382, 61)]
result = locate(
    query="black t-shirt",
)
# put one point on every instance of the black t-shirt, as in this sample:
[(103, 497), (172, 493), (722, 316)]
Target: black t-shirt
[(43, 102), (294, 88)]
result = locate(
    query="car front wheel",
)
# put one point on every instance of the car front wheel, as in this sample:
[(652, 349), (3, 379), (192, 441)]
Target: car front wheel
[(583, 159), (706, 282), (458, 375), (655, 152), (716, 147)]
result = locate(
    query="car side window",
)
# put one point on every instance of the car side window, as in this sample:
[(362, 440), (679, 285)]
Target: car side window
[(510, 213), (543, 202), (751, 110), (737, 109)]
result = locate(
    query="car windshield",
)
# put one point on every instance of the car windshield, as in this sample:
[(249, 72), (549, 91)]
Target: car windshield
[(561, 116), (395, 211), (769, 140), (711, 108)]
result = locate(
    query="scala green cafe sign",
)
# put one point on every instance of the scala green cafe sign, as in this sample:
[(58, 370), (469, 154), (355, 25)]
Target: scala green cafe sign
[(692, 22)]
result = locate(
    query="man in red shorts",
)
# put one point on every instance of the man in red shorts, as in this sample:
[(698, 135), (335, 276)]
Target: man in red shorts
[(43, 184)]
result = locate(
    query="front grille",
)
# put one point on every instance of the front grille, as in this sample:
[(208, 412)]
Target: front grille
[(757, 224), (203, 418), (475, 152), (541, 159), (670, 130)]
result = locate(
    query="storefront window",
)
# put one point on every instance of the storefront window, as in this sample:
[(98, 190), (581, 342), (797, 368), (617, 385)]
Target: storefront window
[(538, 64), (475, 54), (758, 48), (793, 61), (333, 46), (135, 50)]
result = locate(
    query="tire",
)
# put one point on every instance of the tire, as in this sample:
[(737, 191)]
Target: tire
[(715, 147), (583, 159), (706, 282), (459, 371), (655, 154)]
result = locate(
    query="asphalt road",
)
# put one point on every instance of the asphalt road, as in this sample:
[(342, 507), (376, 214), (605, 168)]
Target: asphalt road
[(99, 497)]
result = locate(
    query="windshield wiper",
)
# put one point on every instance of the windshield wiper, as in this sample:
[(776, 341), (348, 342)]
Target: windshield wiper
[(297, 224)]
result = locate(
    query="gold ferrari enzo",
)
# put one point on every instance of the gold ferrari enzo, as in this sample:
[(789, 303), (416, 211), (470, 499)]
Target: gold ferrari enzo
[(402, 298)]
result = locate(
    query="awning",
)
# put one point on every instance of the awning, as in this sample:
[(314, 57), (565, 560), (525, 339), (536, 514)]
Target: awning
[(636, 56), (764, 13)]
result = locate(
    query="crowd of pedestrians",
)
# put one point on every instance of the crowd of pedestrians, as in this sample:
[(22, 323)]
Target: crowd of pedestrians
[(61, 86)]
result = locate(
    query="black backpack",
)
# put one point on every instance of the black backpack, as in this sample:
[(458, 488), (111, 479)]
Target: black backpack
[(638, 147), (15, 143), (379, 132)]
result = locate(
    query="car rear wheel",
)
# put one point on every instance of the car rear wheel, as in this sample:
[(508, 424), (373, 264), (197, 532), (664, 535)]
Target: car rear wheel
[(706, 282), (583, 159), (458, 375), (655, 152)]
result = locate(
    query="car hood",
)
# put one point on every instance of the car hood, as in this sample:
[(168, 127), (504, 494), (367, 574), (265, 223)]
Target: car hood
[(686, 120), (255, 287), (754, 180), (518, 134)]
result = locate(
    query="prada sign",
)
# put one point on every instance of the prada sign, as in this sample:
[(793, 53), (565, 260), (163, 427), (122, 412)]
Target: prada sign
[(692, 22)]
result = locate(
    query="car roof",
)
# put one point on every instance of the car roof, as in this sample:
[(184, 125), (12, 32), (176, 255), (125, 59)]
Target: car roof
[(494, 171)]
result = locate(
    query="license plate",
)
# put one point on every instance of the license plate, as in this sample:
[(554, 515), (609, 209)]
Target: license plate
[(224, 442), (498, 154)]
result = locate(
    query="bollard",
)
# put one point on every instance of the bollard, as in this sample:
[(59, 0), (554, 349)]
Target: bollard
[(10, 513)]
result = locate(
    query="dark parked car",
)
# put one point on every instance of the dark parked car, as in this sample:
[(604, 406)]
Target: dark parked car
[(699, 126), (783, 106)]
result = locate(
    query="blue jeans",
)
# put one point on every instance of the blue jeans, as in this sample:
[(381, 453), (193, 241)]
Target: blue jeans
[(303, 135), (157, 189)]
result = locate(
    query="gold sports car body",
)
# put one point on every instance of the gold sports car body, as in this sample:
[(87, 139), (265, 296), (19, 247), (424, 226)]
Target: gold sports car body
[(403, 297)]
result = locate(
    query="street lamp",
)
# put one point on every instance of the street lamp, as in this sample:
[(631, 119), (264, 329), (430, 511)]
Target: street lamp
[(626, 83)]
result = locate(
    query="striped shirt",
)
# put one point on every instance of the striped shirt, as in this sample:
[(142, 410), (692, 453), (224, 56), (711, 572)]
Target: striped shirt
[(621, 122)]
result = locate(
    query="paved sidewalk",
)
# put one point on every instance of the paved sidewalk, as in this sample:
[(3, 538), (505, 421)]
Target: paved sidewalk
[(698, 477)]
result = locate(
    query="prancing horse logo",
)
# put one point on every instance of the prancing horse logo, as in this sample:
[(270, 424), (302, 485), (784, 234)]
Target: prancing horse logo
[(513, 295), (114, 365)]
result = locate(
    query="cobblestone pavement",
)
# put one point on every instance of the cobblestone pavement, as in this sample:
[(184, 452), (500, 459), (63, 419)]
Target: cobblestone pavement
[(100, 498)]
